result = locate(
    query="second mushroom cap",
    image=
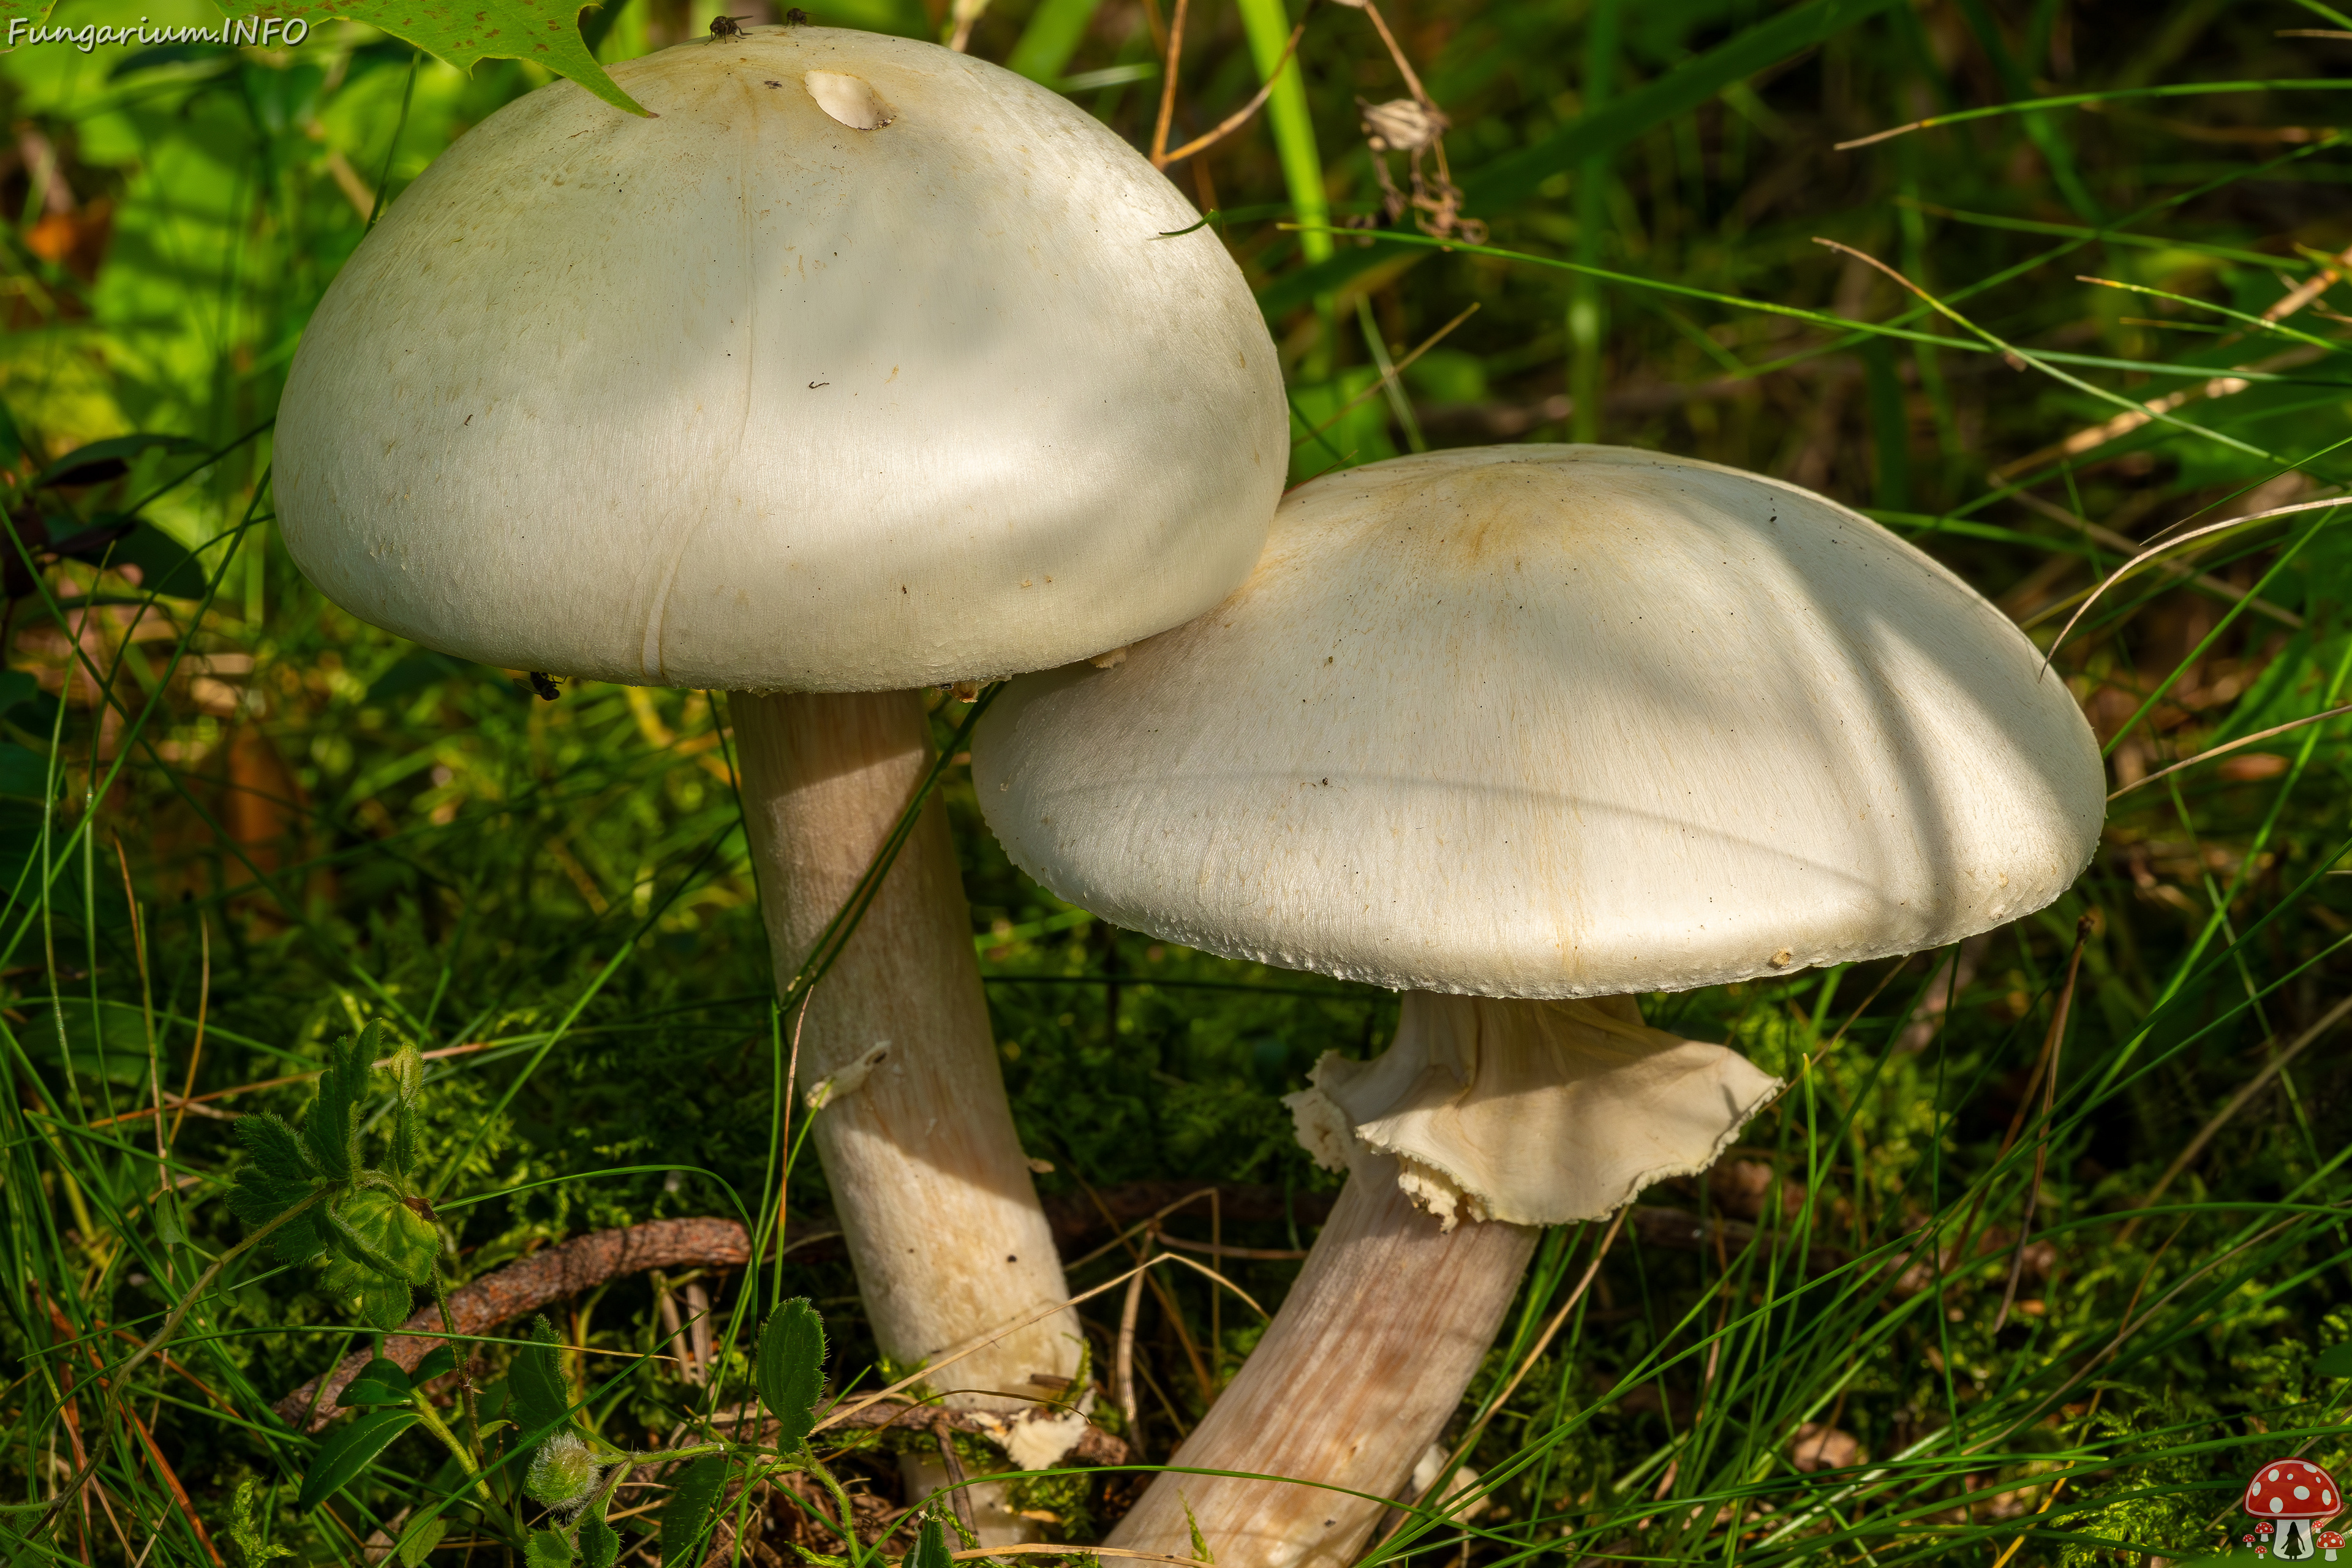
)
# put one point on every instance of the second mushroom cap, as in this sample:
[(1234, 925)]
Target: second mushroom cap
[(1556, 722)]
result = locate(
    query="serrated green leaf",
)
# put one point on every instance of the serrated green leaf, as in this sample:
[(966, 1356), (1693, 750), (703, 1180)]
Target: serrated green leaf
[(417, 1541), (302, 1240), (546, 32), (693, 1500), (438, 1361), (407, 1071), (401, 1153), (790, 1370), (377, 1230), (384, 1304), (369, 1261), (600, 1544), (257, 1198), (381, 1382), (330, 1130), (2334, 1362), (547, 1550), (276, 1178), (275, 1150), (535, 1385), (930, 1547), (349, 1452)]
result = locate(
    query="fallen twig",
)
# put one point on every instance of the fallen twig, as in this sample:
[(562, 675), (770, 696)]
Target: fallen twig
[(531, 1283)]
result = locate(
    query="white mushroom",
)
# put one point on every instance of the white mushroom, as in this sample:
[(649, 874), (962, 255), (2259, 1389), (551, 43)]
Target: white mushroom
[(1521, 732), (863, 366)]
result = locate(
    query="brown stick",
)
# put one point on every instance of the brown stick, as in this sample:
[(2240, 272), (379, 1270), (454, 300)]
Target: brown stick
[(591, 1260), (526, 1286)]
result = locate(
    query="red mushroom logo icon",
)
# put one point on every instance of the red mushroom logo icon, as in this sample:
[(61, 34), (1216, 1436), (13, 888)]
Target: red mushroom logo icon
[(2293, 1495)]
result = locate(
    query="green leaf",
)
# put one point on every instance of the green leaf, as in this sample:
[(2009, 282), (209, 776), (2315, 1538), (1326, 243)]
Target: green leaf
[(248, 1531), (401, 1157), (171, 1225), (24, 772), (438, 1361), (17, 687), (790, 1370), (546, 32), (930, 1547), (375, 1233), (693, 1500), (350, 1451), (276, 1151), (384, 1303), (164, 564), (104, 1039), (600, 1544), (417, 1541), (381, 1382), (407, 1071), (332, 1128), (541, 1399), (101, 461), (278, 1176), (547, 1550), (2334, 1362)]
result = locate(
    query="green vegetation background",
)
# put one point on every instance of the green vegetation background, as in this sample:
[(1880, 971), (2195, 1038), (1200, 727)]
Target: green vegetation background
[(319, 825)]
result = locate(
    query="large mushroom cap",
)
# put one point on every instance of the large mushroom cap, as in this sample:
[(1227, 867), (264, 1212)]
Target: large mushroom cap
[(1557, 721), (864, 365)]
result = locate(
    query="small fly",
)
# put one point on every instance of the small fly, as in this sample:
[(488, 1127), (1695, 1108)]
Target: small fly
[(728, 27), (545, 687)]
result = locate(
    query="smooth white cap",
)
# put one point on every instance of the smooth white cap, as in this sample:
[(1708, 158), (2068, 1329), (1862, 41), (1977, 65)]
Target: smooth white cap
[(863, 366), (1554, 721)]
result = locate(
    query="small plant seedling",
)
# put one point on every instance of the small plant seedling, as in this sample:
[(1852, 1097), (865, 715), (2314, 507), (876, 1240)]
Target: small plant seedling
[(370, 1225)]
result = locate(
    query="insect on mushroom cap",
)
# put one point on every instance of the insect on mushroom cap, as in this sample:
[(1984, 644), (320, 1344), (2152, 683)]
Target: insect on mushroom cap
[(864, 365)]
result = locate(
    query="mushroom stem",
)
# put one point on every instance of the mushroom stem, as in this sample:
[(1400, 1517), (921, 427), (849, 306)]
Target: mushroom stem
[(928, 1174), (1484, 1119), (1367, 1358)]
